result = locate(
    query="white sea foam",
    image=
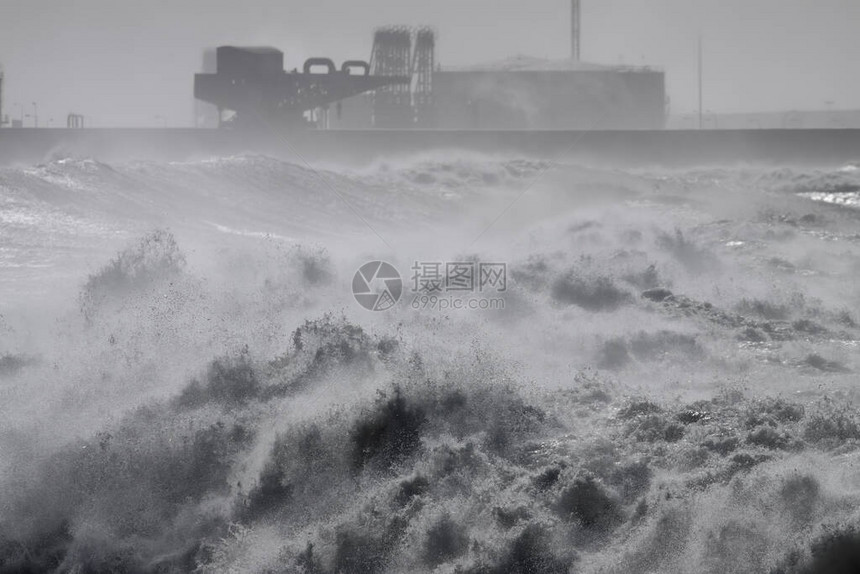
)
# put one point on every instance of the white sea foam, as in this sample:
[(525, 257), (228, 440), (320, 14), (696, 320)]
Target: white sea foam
[(187, 380)]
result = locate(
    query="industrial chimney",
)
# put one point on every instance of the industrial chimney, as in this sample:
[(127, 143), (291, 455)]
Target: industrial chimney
[(574, 29)]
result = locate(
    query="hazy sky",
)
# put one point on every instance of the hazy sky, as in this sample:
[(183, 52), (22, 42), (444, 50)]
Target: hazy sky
[(131, 61)]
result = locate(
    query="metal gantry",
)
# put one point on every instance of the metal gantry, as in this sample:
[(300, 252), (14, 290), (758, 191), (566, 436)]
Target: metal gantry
[(404, 51), (423, 64), (392, 56), (251, 83)]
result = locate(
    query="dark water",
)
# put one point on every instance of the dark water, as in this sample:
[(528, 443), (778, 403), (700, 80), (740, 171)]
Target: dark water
[(188, 384)]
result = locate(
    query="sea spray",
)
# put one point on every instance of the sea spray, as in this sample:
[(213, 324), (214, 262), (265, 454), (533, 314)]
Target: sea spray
[(670, 387)]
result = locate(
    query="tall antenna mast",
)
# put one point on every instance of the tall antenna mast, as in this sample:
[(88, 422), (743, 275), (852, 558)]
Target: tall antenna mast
[(575, 20), (701, 123)]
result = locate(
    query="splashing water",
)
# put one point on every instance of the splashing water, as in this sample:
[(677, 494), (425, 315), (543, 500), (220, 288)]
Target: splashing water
[(188, 383)]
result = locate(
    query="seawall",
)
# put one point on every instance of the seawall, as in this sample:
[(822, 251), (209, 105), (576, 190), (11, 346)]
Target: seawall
[(669, 148)]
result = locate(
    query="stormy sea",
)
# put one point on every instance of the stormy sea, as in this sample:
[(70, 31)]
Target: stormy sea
[(573, 369)]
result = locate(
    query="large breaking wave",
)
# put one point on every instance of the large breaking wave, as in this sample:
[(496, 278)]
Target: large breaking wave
[(188, 385)]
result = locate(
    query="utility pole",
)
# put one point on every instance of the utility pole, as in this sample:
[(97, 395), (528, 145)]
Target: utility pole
[(700, 82)]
